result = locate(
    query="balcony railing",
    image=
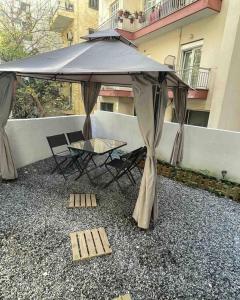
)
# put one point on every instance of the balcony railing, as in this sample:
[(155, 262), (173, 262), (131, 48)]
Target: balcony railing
[(195, 77), (64, 5), (159, 11)]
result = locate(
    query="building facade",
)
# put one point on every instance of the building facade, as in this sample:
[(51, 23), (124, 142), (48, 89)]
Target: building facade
[(199, 39), (72, 20)]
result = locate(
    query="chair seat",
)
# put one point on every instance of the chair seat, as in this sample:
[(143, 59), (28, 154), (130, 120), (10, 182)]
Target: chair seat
[(116, 163), (67, 154)]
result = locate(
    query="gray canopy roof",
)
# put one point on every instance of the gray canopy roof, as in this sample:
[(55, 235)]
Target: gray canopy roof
[(105, 57)]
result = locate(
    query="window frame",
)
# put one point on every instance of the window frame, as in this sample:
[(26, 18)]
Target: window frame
[(107, 104), (93, 4)]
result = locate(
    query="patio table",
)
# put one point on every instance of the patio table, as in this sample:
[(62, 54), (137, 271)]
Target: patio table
[(93, 147)]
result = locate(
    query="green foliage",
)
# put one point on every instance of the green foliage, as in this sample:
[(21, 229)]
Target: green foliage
[(38, 98), (10, 47), (24, 33)]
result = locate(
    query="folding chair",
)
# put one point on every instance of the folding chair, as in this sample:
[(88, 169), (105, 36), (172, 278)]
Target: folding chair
[(142, 151), (124, 166), (63, 158), (76, 136)]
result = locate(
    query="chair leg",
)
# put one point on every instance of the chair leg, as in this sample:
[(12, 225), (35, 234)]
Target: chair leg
[(57, 164), (130, 176)]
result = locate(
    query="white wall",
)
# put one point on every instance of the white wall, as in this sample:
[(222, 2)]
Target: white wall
[(204, 149), (27, 137)]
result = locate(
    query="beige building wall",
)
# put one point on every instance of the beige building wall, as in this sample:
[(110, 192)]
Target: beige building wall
[(120, 104), (83, 18), (209, 30), (220, 38), (225, 112)]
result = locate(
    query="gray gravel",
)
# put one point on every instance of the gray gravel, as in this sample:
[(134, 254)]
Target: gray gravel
[(192, 253)]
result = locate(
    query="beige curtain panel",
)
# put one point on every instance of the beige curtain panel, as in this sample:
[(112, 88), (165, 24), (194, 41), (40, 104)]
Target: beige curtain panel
[(90, 92), (150, 104), (180, 102), (7, 94)]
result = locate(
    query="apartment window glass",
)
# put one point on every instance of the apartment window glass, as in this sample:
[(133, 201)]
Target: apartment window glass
[(194, 117), (114, 8), (106, 106), (113, 12), (94, 4), (90, 30), (198, 118), (191, 59)]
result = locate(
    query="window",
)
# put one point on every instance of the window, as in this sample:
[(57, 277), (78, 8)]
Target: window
[(93, 4), (194, 117), (191, 59), (114, 8), (197, 118), (90, 30), (107, 106)]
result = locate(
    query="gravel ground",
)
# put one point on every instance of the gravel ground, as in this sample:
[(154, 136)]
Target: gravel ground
[(192, 253)]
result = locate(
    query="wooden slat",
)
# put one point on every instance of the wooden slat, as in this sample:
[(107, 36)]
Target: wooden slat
[(93, 199), (71, 202), (75, 248), (77, 200), (83, 247), (125, 297), (97, 241), (90, 243), (88, 200), (104, 239), (83, 202)]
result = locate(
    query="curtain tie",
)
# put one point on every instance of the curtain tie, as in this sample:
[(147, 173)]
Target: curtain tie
[(151, 152)]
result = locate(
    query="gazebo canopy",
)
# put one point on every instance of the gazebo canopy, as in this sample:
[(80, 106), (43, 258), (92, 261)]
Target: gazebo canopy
[(91, 61), (105, 58)]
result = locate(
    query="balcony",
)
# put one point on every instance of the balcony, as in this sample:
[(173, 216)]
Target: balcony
[(169, 15), (196, 78), (62, 17)]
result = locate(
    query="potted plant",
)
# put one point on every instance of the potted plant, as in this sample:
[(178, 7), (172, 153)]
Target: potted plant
[(136, 14), (120, 13), (141, 17), (126, 14), (131, 18)]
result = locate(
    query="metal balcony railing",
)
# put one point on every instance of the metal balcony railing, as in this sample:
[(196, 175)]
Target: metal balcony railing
[(197, 78), (159, 11), (64, 5)]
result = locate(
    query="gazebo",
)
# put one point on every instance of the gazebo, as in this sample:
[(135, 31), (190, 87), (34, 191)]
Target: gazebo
[(106, 58)]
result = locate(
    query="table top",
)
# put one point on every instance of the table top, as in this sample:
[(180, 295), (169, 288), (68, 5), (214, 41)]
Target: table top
[(97, 145)]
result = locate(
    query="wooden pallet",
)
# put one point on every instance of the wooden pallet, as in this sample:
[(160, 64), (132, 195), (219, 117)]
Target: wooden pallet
[(82, 200), (89, 243), (125, 297)]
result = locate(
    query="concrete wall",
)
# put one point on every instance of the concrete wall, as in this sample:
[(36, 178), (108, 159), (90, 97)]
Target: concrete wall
[(205, 149), (27, 137)]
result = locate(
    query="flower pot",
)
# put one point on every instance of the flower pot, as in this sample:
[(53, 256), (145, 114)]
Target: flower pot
[(120, 13), (126, 14)]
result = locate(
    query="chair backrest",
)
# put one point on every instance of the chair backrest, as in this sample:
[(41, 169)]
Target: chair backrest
[(75, 136), (55, 141)]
